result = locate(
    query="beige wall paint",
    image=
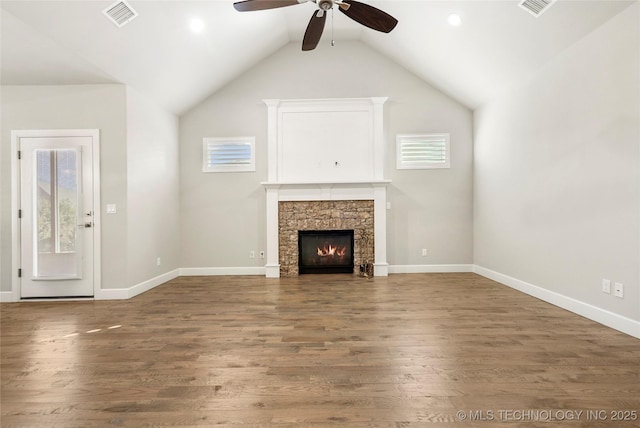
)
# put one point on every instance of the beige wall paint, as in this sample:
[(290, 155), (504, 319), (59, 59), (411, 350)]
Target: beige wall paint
[(222, 215), (63, 107), (139, 158), (152, 189), (557, 172)]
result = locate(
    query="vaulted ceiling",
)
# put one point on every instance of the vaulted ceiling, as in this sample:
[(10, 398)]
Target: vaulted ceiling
[(72, 42)]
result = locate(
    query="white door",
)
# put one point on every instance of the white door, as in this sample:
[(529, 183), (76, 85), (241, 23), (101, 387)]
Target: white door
[(57, 216)]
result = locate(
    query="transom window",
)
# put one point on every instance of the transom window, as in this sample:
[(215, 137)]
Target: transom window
[(228, 154), (422, 151)]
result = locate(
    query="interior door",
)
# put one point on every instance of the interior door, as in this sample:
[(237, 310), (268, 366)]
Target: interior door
[(56, 227)]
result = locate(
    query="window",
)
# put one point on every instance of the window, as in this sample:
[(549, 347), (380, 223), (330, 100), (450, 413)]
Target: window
[(422, 151), (228, 154)]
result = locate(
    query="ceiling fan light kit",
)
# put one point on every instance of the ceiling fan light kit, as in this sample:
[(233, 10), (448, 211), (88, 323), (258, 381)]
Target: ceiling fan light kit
[(362, 13)]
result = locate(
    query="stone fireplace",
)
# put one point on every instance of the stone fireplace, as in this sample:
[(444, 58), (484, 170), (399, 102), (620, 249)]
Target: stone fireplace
[(296, 216), (325, 206)]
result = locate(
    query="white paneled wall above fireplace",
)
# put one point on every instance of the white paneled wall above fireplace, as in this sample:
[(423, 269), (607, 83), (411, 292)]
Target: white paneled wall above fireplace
[(325, 140)]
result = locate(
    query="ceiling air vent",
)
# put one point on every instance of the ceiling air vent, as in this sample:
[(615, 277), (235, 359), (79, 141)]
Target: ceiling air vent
[(120, 13), (536, 7)]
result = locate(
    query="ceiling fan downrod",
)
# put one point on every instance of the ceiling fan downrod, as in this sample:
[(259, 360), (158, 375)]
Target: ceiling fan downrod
[(333, 43)]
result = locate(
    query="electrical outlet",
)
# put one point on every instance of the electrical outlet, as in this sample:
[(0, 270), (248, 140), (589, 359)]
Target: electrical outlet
[(424, 252), (252, 254), (262, 254), (618, 290), (158, 261), (606, 286)]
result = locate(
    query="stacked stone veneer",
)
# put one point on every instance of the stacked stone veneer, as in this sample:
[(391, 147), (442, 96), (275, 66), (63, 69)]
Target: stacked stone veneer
[(324, 215)]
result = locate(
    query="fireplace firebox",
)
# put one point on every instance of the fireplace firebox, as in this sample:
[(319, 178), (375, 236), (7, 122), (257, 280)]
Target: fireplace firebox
[(325, 251)]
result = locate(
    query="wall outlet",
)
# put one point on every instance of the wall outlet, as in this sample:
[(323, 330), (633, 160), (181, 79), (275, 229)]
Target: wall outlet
[(158, 261), (262, 254), (606, 286), (618, 290), (424, 252)]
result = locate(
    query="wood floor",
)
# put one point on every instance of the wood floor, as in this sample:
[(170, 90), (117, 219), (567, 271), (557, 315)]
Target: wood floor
[(426, 350)]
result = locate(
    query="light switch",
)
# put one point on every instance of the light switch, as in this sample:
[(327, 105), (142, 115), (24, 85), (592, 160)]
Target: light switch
[(111, 208)]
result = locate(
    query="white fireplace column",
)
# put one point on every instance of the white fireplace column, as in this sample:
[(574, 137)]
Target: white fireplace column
[(380, 265), (273, 262)]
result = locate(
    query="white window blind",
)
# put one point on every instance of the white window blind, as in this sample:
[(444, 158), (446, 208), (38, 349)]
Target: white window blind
[(422, 151), (229, 154)]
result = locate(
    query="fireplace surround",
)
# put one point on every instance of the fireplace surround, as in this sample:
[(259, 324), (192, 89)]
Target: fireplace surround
[(297, 216)]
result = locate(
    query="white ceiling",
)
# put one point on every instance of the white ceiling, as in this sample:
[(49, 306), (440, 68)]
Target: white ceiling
[(68, 42)]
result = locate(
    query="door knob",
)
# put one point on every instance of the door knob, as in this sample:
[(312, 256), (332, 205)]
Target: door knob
[(86, 225)]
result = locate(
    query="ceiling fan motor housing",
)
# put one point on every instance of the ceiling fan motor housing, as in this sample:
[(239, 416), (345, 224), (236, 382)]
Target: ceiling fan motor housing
[(325, 4)]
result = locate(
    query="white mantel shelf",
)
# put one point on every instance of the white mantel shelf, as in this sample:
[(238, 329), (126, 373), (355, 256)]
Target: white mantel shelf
[(277, 185)]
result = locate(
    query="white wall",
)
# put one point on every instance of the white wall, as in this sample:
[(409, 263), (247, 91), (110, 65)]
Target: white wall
[(222, 215), (68, 107), (557, 172), (152, 189)]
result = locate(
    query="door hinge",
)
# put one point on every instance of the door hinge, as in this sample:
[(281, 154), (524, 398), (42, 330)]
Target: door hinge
[(19, 273), (19, 154), (19, 213)]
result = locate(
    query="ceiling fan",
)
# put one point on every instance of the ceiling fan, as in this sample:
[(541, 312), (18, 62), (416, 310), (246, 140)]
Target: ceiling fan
[(364, 14)]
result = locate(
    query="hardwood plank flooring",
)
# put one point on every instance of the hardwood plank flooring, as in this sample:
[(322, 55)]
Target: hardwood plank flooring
[(413, 350)]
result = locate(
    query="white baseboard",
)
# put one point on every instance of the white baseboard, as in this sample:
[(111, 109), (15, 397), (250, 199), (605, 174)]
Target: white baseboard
[(215, 271), (6, 297), (430, 268), (127, 293), (602, 316)]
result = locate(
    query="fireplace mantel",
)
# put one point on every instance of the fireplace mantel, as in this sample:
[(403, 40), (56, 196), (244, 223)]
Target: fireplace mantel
[(294, 184), (371, 190), (325, 191)]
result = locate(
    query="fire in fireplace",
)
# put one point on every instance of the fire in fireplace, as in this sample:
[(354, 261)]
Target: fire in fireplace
[(325, 251)]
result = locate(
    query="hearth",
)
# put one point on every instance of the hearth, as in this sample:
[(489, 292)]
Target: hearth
[(325, 251)]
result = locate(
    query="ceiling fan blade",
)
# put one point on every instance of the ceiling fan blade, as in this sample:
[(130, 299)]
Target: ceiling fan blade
[(369, 16), (250, 5), (314, 31)]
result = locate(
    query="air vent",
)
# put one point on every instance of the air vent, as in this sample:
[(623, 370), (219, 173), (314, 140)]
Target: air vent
[(120, 13), (536, 7)]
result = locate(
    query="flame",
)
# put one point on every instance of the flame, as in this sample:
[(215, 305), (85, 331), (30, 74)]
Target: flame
[(330, 250)]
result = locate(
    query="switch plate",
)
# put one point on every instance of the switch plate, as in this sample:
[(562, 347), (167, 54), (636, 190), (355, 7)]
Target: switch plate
[(606, 286), (388, 205), (158, 261), (424, 252), (111, 209), (618, 290), (252, 254)]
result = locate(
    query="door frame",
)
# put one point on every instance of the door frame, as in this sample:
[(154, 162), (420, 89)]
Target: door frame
[(16, 263)]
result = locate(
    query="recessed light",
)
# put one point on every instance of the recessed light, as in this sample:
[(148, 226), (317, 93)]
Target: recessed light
[(196, 25), (454, 20)]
